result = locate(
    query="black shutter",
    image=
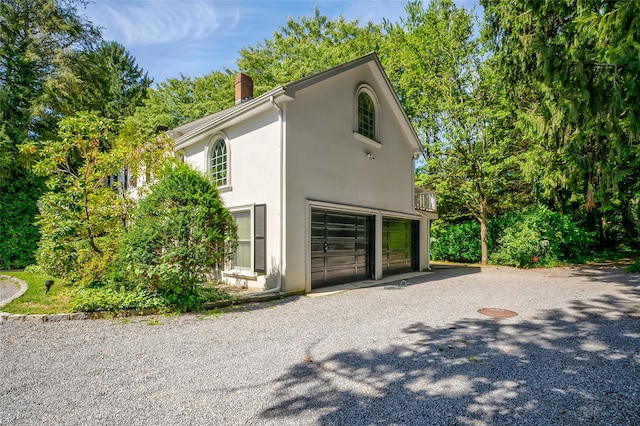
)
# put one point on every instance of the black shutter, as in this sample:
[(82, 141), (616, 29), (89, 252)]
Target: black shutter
[(260, 238)]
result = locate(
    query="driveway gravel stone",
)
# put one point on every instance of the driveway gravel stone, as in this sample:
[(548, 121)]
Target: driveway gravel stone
[(406, 355), (10, 288)]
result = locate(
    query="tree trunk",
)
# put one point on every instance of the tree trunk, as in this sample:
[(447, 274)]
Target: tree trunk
[(483, 235)]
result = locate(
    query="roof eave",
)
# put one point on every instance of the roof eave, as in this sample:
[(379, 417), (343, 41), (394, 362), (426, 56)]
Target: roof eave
[(240, 112)]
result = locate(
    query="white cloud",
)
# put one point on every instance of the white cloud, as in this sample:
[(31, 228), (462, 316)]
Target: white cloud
[(145, 23)]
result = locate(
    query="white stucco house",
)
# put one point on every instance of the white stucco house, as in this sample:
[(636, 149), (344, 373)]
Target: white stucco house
[(319, 177)]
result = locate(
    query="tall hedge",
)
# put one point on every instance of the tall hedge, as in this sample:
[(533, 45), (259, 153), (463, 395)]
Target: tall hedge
[(19, 234)]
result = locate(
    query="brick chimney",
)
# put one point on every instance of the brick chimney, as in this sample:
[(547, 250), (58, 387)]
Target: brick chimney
[(244, 88)]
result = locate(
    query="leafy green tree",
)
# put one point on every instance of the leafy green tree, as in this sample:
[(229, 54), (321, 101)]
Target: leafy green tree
[(32, 34), (573, 71), (106, 79), (86, 211), (180, 100), (181, 232), (306, 46), (454, 100)]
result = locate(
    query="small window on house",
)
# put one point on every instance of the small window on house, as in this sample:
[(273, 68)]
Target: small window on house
[(366, 116), (125, 179), (111, 181), (242, 257), (218, 162)]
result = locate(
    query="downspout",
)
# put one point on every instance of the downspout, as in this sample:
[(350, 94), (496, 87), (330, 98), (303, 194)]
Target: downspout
[(278, 286)]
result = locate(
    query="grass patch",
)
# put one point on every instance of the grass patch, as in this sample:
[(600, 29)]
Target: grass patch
[(153, 321), (622, 256), (35, 300), (65, 298)]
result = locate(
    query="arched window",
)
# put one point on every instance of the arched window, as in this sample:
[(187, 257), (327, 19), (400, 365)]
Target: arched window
[(218, 162), (366, 115)]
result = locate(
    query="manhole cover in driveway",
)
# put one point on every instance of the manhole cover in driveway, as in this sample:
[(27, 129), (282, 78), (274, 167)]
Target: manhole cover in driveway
[(497, 312)]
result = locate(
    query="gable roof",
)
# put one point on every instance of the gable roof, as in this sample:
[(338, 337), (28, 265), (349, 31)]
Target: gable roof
[(183, 134)]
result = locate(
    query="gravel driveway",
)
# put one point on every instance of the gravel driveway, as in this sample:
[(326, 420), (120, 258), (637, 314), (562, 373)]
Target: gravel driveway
[(420, 354)]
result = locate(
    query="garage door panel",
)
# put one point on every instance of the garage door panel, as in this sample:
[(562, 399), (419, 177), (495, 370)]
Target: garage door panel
[(339, 247), (317, 276), (346, 260), (398, 242), (341, 275), (317, 232)]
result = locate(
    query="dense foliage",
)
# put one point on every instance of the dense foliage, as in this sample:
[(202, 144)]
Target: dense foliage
[(572, 72), (305, 46), (83, 216), (456, 243), (108, 299), (181, 232), (19, 234), (538, 236), (105, 79), (32, 34), (526, 238), (180, 100)]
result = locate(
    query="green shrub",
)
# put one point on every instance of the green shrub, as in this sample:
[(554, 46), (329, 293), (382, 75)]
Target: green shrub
[(456, 243), (111, 300), (519, 243), (82, 218), (519, 246), (18, 232), (181, 232), (634, 268)]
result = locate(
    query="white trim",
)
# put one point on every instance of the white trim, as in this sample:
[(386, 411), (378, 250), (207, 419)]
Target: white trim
[(189, 133), (364, 139), (325, 205), (399, 112), (212, 140), (243, 271), (365, 88), (228, 118)]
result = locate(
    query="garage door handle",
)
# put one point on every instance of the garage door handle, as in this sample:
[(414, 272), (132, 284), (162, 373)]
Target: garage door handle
[(326, 247)]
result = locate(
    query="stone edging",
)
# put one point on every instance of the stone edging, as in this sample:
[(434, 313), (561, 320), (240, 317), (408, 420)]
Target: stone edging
[(23, 289), (5, 316)]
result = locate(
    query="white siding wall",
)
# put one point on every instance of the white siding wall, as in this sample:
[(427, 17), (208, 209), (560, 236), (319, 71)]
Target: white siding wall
[(254, 178), (324, 162)]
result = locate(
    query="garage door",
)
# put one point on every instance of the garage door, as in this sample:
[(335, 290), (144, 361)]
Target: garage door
[(341, 250), (399, 246)]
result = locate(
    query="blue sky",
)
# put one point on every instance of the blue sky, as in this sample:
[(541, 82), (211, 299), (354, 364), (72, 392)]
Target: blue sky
[(194, 37)]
